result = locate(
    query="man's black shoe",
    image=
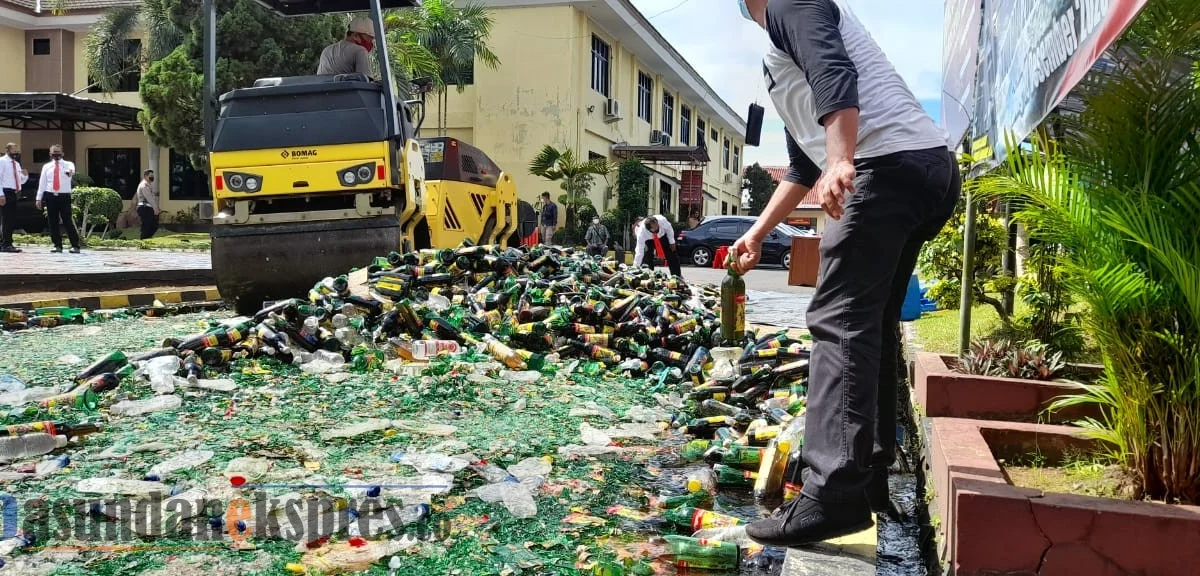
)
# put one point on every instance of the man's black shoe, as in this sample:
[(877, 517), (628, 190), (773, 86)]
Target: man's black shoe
[(879, 496), (56, 251), (804, 521), (11, 250), (74, 250)]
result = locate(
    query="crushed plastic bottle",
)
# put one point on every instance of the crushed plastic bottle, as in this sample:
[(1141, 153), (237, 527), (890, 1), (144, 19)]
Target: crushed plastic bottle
[(160, 373), (48, 467), (324, 362), (139, 407), (121, 486), (354, 555), (26, 395), (181, 461), (379, 522), (10, 383), (530, 467), (517, 497), (217, 385), (430, 462), (28, 445)]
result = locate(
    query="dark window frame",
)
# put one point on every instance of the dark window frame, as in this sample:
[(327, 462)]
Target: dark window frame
[(104, 169), (701, 128), (130, 81), (185, 182), (601, 66), (668, 111), (41, 47), (645, 96), (685, 125), (725, 154), (737, 159)]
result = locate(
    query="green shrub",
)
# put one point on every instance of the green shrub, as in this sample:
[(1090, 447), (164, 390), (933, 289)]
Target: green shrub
[(95, 209)]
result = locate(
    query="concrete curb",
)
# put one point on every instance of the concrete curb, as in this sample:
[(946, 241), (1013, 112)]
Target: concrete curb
[(92, 303), (117, 248)]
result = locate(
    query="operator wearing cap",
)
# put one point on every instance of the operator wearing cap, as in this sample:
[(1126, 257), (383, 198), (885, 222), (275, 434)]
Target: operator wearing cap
[(350, 56)]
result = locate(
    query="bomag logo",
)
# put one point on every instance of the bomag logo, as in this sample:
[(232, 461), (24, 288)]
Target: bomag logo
[(298, 154)]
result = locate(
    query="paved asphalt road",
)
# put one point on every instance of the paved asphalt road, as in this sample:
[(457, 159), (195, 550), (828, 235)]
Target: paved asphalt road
[(762, 279)]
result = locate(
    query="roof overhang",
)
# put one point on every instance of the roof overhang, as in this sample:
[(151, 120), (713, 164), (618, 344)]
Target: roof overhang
[(303, 7), (614, 16), (51, 111), (78, 20), (683, 154)]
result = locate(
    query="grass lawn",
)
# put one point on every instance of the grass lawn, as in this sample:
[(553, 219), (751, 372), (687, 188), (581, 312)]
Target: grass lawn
[(128, 238), (938, 331)]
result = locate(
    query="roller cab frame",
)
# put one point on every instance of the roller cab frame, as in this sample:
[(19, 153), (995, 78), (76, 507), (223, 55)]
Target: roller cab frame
[(311, 175)]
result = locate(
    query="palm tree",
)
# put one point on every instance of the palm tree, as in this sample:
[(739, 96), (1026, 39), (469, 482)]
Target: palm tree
[(574, 177), (457, 38), (1121, 196), (107, 50)]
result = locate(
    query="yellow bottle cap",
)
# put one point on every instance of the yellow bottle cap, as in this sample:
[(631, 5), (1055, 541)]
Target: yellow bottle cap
[(294, 567), (693, 485)]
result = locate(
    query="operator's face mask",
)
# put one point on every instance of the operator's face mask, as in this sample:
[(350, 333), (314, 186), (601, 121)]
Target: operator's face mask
[(745, 10), (366, 42)]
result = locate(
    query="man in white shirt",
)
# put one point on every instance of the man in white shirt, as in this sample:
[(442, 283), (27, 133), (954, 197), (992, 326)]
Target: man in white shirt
[(351, 54), (54, 190), (881, 170), (146, 201), (12, 177), (653, 232)]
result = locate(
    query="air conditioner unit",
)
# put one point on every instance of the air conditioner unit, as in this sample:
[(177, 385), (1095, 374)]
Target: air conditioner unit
[(729, 178), (206, 210), (612, 110), (655, 137), (664, 140)]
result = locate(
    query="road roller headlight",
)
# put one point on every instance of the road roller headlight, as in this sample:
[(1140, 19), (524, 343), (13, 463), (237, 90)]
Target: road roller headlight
[(357, 175), (242, 182)]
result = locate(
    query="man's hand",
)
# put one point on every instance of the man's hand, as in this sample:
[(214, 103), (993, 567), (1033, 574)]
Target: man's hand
[(747, 251), (157, 211), (834, 187), (3, 198), (38, 204)]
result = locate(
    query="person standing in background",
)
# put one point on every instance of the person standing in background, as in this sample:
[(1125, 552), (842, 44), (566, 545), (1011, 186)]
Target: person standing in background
[(547, 219), (596, 238), (55, 189), (146, 200), (12, 177)]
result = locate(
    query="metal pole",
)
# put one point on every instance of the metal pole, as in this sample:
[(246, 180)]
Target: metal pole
[(385, 69), (1008, 259), (968, 277), (209, 8)]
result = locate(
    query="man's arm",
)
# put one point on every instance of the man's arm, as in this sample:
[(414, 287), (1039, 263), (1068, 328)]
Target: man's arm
[(362, 62), (801, 176), (808, 31), (22, 175), (639, 249), (42, 182)]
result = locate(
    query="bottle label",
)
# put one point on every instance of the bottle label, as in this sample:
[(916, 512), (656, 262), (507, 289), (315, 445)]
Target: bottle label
[(739, 312), (702, 519)]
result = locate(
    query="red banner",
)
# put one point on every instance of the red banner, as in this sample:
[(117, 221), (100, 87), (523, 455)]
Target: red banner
[(691, 189)]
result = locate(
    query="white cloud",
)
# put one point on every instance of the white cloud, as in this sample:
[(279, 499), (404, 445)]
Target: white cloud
[(727, 51)]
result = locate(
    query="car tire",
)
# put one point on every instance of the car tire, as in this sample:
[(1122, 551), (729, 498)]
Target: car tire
[(786, 260), (702, 257)]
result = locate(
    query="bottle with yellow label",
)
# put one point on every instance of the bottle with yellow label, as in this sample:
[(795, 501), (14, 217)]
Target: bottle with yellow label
[(733, 304)]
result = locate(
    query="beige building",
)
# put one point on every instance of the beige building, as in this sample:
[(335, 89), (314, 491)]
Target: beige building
[(596, 77), (593, 76), (47, 98)]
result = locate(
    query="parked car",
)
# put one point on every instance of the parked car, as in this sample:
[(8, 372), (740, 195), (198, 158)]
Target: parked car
[(29, 218), (700, 244)]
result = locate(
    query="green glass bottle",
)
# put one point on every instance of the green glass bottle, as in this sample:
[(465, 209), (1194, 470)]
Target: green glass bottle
[(693, 499), (703, 554), (695, 449), (730, 476), (736, 456), (733, 304), (110, 363), (699, 518)]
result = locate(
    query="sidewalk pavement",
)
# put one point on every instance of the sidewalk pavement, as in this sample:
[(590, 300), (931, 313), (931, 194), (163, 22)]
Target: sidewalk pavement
[(37, 269)]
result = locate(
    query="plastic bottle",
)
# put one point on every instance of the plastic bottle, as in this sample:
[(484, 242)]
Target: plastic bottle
[(10, 545), (770, 472), (121, 486), (695, 449), (353, 555), (10, 383), (139, 407), (181, 461), (388, 520), (48, 467), (703, 480), (17, 447)]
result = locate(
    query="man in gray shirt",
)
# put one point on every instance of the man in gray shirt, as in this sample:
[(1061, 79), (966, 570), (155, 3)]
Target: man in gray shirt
[(882, 171), (350, 55)]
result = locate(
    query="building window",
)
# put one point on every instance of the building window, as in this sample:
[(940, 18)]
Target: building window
[(724, 208), (685, 124), (668, 119), (186, 183), (725, 155), (713, 133), (645, 96), (41, 156), (116, 168), (733, 210), (601, 63), (41, 46), (131, 77), (700, 130), (664, 198), (737, 159)]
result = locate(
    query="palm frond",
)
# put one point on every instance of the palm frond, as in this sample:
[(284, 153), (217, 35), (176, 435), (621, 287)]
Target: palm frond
[(106, 50), (162, 36)]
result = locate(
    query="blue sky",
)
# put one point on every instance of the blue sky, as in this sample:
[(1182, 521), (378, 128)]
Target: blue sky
[(727, 50)]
